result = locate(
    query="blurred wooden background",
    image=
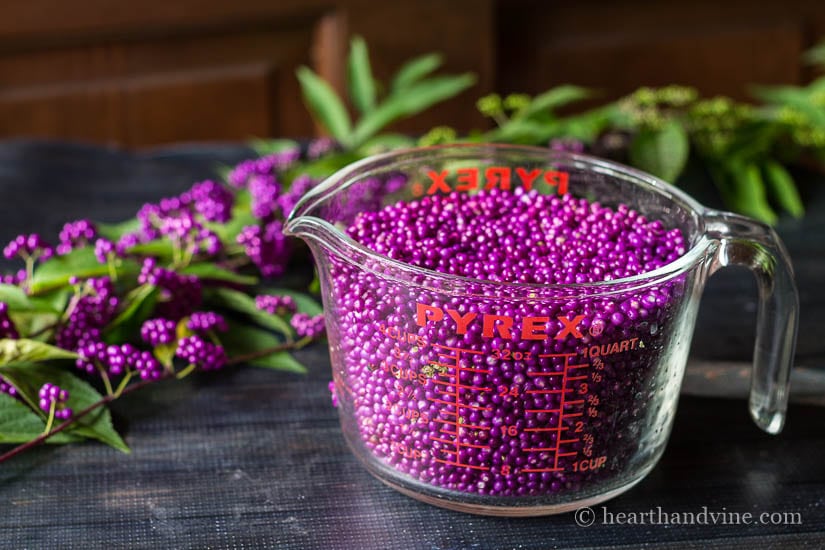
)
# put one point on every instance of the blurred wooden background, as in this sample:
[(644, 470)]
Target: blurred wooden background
[(159, 71)]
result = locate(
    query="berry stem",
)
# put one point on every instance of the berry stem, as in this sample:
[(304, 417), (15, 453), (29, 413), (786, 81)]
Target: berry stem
[(106, 382), (183, 373), (77, 416), (123, 384), (50, 421)]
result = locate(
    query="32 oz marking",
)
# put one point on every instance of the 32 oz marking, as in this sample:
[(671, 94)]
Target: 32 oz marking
[(510, 355)]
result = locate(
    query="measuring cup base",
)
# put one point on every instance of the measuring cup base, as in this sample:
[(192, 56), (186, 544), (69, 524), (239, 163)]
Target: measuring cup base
[(531, 510), (513, 511)]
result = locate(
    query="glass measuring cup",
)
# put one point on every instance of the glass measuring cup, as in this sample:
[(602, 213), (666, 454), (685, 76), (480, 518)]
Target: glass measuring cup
[(524, 399)]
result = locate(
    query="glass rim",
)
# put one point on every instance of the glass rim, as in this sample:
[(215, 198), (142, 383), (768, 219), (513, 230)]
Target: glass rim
[(344, 245)]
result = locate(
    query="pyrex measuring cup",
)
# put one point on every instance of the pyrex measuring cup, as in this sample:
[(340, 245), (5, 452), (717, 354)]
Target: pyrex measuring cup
[(524, 399)]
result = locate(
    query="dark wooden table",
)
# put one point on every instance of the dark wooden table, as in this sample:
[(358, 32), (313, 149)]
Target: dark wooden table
[(251, 458)]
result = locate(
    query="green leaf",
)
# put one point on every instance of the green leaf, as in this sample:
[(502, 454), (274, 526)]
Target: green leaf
[(243, 303), (19, 424), (325, 105), (554, 98), (305, 303), (57, 271), (30, 377), (23, 350), (748, 192), (139, 304), (160, 248), (263, 147), (17, 300), (663, 152), (359, 76), (212, 272), (414, 70), (782, 188), (245, 339), (29, 323), (165, 353), (408, 102), (115, 231)]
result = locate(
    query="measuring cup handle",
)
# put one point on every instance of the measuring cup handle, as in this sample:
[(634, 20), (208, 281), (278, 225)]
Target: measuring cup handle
[(755, 245)]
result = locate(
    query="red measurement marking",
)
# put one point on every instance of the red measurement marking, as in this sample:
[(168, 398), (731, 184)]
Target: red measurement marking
[(468, 426), (451, 451), (448, 432), (571, 415), (563, 441), (555, 429), (542, 470), (538, 449), (566, 454), (543, 410), (471, 369), (577, 377), (576, 402), (557, 355), (452, 463), (583, 365), (447, 441), (461, 405), (537, 373), (461, 386), (549, 391)]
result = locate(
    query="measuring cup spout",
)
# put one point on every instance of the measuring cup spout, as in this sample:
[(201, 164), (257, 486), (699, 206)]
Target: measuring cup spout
[(746, 242)]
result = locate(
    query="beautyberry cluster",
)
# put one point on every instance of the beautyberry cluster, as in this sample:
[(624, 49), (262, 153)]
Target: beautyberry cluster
[(157, 332), (204, 321), (197, 351), (76, 234), (28, 246), (275, 305), (266, 246), (180, 293), (91, 309), (117, 360), (307, 326), (53, 396)]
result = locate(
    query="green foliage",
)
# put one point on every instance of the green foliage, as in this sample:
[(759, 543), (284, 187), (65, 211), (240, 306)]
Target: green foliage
[(662, 152), (412, 91), (665, 126)]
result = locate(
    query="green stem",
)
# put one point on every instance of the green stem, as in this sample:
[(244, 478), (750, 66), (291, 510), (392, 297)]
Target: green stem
[(50, 421), (123, 384), (77, 416), (112, 268), (186, 372), (106, 382)]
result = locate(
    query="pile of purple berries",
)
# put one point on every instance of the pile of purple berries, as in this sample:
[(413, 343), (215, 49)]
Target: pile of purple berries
[(441, 398)]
